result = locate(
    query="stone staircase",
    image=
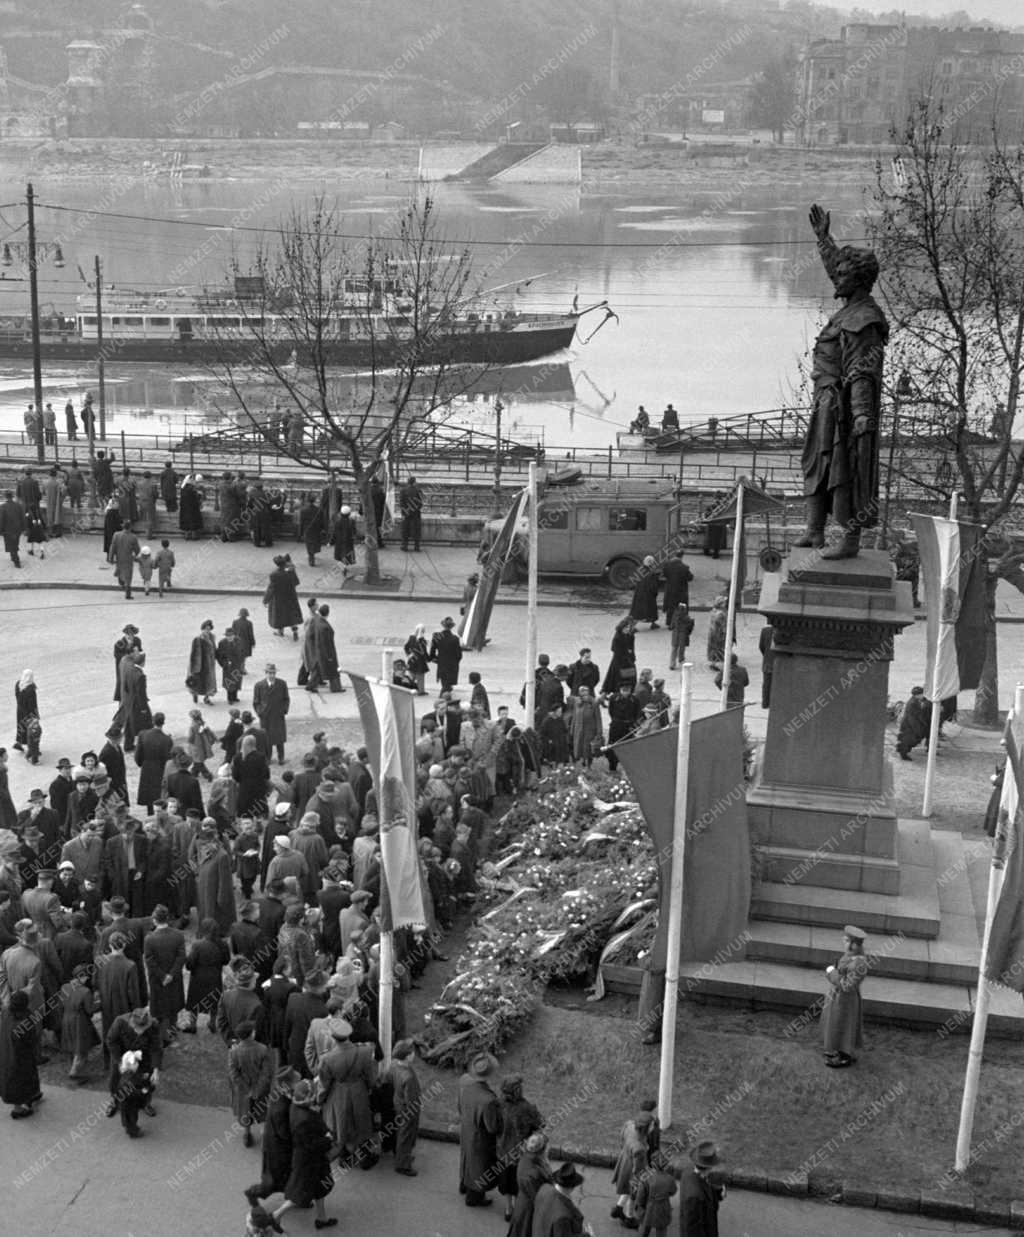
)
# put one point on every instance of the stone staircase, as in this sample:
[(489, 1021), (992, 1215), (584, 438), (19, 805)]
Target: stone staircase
[(499, 159), (923, 944)]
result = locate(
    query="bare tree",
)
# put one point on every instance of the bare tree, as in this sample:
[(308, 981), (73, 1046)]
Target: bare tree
[(314, 300), (949, 234)]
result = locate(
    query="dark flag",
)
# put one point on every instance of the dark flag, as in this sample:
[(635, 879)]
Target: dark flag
[(1005, 961), (473, 628)]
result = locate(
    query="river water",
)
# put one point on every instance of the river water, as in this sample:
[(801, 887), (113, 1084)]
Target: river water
[(717, 294)]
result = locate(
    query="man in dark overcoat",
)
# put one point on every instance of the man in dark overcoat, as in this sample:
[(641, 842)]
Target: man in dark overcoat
[(677, 576), (229, 658), (117, 985), (479, 1125), (446, 653), (164, 953), (134, 933), (127, 642), (644, 607), (152, 752), (270, 702), (124, 864), (112, 759), (12, 525), (698, 1198), (135, 1032)]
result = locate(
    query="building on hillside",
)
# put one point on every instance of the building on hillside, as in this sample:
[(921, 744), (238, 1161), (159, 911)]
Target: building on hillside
[(109, 87), (855, 89)]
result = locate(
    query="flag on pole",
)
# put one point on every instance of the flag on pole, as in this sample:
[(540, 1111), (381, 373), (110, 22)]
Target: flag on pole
[(389, 729), (388, 522), (716, 893), (478, 611), (954, 591), (1005, 962)]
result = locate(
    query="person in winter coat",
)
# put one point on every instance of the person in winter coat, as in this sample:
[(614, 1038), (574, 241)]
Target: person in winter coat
[(205, 961), (479, 1125), (519, 1119), (344, 539), (716, 632), (681, 626), (271, 702), (417, 657), (201, 679), (252, 774), (532, 1171), (78, 1036), (623, 663), (229, 658), (282, 598), (124, 553), (653, 1198), (446, 653), (245, 633), (677, 576), (164, 953), (215, 892), (699, 1199), (250, 1075), (842, 1019), (301, 1009), (915, 723), (277, 1136), (644, 607), (556, 1211), (406, 1091), (190, 512), (310, 1180), (199, 744), (347, 1074), (631, 1165), (19, 1072), (311, 528), (169, 487), (26, 712), (152, 752)]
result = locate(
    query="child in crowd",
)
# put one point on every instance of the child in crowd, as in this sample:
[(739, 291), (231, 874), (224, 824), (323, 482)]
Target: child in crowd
[(146, 565), (164, 563)]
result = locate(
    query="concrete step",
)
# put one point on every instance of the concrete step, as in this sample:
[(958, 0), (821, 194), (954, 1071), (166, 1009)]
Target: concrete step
[(942, 1007), (913, 912)]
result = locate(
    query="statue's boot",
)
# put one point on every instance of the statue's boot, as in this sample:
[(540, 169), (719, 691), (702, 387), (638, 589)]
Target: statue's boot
[(814, 534), (848, 546)]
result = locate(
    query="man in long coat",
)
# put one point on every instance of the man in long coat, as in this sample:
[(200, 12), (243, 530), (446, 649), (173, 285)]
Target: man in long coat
[(124, 865), (146, 491), (479, 1125), (12, 525), (319, 653), (169, 487), (134, 714), (112, 759), (270, 702), (644, 607), (215, 892), (127, 642), (117, 984), (677, 578), (164, 954), (698, 1198), (152, 752), (281, 597), (446, 653), (202, 664), (123, 552), (245, 635)]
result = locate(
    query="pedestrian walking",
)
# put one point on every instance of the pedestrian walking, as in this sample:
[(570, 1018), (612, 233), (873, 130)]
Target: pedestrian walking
[(12, 526), (146, 564), (19, 1071), (446, 653), (519, 1119), (699, 1199), (250, 1075), (407, 1104), (164, 565), (124, 553), (201, 679), (556, 1211), (532, 1171), (78, 1036), (654, 1198), (479, 1125), (630, 1167), (310, 1180), (282, 597)]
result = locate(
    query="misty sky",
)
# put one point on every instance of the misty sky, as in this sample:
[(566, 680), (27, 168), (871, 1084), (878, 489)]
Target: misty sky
[(1008, 12)]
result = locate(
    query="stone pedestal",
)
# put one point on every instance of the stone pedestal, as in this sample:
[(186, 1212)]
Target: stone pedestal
[(822, 805)]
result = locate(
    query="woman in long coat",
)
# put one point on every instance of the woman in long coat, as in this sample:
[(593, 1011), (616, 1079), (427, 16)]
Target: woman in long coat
[(310, 1180), (208, 955), (111, 524), (156, 884), (282, 598), (347, 1073), (532, 1171), (417, 657), (26, 707), (519, 1119), (252, 773), (479, 1124), (19, 1074), (623, 662), (344, 537), (202, 664), (78, 1036), (277, 1133), (54, 491), (134, 714), (311, 529), (586, 729), (190, 514), (842, 1020), (644, 607)]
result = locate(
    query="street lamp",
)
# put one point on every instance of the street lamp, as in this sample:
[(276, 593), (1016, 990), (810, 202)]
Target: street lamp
[(29, 252), (904, 389)]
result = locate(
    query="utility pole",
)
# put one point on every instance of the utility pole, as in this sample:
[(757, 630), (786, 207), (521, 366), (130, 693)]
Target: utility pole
[(33, 295), (499, 408), (99, 350)]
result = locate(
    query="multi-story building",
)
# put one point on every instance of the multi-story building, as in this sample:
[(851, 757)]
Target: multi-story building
[(857, 88)]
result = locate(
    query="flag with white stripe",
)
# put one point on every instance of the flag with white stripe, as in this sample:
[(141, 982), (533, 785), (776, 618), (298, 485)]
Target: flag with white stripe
[(389, 730), (478, 611)]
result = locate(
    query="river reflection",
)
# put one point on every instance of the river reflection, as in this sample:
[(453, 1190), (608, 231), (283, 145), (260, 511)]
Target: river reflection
[(717, 294)]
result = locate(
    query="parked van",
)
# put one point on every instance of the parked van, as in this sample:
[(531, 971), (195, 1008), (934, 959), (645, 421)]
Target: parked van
[(597, 528)]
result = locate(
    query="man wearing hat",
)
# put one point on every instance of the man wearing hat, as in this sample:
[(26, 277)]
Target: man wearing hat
[(124, 864), (152, 752), (85, 853), (45, 820), (332, 899), (134, 932), (136, 1031), (270, 702), (112, 759), (246, 940), (42, 905), (556, 1211), (479, 1126), (300, 1011), (60, 791), (241, 1004), (270, 912), (307, 842), (446, 653), (163, 952), (347, 1074), (127, 642), (73, 947), (201, 679), (215, 890), (699, 1200), (81, 802)]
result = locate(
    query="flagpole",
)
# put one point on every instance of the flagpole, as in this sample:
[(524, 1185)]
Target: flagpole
[(996, 874), (675, 906), (531, 599), (386, 986), (734, 579), (936, 714)]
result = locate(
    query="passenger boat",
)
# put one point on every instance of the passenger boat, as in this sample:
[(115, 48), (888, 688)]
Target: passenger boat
[(372, 328)]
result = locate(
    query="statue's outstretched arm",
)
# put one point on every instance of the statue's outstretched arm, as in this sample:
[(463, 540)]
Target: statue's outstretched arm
[(827, 247)]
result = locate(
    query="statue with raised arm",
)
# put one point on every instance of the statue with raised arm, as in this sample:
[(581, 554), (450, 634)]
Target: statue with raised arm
[(840, 454)]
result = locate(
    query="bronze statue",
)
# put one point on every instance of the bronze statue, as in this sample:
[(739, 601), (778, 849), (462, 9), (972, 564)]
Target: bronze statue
[(840, 455)]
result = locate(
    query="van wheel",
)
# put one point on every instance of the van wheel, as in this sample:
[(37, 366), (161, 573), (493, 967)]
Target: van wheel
[(621, 572)]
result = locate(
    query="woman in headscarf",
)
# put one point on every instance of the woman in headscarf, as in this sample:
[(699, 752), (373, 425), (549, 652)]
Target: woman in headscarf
[(622, 666), (8, 813), (417, 662), (252, 773), (644, 607), (532, 1171), (27, 713), (202, 664), (344, 539), (111, 525), (190, 514), (519, 1119), (208, 955)]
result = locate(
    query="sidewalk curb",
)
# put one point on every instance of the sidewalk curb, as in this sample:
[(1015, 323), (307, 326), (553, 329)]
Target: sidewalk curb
[(959, 1204)]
